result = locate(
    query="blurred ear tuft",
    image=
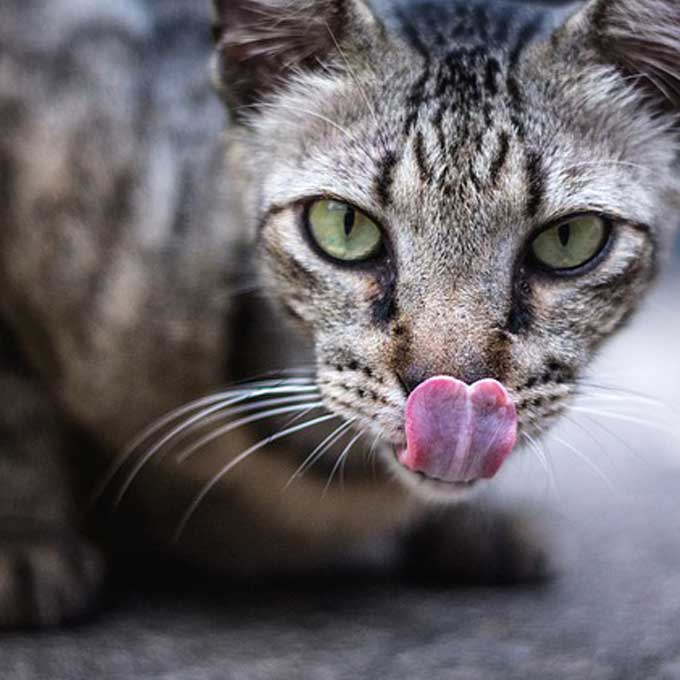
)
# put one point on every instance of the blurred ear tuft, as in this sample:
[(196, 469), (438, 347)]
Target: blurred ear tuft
[(642, 38), (261, 42)]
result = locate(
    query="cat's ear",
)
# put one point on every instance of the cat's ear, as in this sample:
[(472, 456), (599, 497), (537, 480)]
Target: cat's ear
[(641, 38), (259, 43)]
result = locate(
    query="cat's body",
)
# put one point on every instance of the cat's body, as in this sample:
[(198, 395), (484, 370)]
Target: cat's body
[(127, 239)]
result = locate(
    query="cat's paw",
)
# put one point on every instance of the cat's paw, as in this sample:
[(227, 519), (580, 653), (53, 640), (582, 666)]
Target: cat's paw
[(472, 546), (47, 578)]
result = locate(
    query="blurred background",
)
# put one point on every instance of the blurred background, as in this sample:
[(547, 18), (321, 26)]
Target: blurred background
[(609, 496)]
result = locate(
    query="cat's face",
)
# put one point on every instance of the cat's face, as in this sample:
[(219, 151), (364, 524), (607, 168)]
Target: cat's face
[(433, 207)]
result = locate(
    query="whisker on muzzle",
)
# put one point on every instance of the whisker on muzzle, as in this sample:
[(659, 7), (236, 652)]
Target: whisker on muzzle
[(341, 459), (320, 450), (206, 406), (238, 459)]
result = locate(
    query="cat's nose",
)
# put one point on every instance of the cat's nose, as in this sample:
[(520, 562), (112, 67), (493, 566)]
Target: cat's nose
[(411, 378)]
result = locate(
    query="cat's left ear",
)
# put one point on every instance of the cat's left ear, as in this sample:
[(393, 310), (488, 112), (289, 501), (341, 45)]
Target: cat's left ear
[(261, 43), (641, 38)]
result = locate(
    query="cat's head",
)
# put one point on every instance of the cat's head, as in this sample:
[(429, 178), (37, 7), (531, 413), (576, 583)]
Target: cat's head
[(440, 199)]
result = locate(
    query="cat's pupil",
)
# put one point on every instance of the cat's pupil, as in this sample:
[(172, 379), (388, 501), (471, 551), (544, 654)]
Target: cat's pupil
[(350, 218), (564, 232)]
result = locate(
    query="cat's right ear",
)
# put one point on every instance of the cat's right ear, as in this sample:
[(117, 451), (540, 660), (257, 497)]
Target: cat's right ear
[(261, 43), (639, 38)]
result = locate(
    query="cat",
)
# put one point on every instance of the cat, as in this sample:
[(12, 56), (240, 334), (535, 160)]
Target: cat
[(416, 232)]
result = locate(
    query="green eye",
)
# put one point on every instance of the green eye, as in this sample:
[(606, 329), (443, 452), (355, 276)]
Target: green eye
[(571, 244), (343, 232)]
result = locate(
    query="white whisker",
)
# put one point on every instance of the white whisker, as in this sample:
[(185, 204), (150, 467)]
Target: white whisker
[(621, 394), (238, 459), (628, 419), (615, 436), (340, 460), (303, 375), (320, 450), (540, 454), (247, 289), (372, 452), (180, 429), (586, 460), (222, 415), (221, 431), (214, 402)]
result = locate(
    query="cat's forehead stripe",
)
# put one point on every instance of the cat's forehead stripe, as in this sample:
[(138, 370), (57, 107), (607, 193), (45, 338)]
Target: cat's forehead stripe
[(424, 169), (385, 177), (536, 181), (501, 157)]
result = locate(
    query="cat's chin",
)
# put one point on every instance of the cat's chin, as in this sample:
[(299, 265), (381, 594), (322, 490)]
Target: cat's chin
[(427, 488)]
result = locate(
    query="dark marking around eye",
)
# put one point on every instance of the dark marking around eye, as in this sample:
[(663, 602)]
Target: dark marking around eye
[(497, 357), (640, 270), (294, 270), (400, 354), (385, 305), (521, 311)]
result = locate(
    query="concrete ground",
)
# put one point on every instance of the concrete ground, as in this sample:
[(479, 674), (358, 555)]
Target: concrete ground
[(613, 611)]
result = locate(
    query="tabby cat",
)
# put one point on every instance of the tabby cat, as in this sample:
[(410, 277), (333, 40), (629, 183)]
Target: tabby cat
[(418, 229)]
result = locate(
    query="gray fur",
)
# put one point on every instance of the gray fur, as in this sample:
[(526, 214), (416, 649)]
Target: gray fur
[(129, 230)]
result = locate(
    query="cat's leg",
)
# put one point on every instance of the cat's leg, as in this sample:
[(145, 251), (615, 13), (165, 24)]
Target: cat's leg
[(48, 573), (478, 545)]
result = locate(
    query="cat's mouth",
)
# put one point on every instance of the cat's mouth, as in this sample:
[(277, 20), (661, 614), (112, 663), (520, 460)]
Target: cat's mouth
[(457, 434)]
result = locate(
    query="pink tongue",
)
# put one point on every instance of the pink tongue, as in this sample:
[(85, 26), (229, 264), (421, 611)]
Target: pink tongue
[(456, 432)]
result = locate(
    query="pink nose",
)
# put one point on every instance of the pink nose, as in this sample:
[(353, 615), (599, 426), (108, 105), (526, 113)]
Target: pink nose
[(457, 432)]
